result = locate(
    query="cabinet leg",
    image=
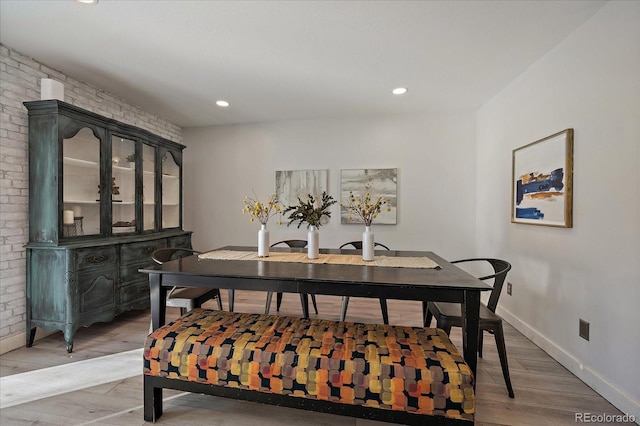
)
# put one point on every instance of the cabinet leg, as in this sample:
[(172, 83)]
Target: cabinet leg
[(68, 338), (30, 336)]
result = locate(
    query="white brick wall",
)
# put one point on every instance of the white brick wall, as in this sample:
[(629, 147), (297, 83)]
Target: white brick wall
[(20, 81)]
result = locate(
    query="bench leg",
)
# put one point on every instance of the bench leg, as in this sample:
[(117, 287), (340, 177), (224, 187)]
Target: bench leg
[(152, 401)]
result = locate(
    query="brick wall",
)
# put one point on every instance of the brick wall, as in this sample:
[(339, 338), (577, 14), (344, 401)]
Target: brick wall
[(20, 81)]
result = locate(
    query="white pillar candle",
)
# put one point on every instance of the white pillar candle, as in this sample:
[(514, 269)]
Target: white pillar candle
[(51, 89), (67, 217), (77, 212)]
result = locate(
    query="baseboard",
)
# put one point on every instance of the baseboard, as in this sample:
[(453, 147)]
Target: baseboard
[(609, 391), (10, 343)]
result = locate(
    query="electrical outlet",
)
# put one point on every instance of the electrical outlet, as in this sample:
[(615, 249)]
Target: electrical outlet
[(509, 288), (584, 329)]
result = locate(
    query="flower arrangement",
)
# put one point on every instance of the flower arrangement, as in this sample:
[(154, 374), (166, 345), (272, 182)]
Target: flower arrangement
[(363, 208), (310, 211), (260, 211)]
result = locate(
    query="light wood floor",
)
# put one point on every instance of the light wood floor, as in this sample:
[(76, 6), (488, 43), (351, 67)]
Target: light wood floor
[(545, 392)]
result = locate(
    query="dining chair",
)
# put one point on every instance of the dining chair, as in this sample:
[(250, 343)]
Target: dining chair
[(294, 244), (345, 299), (450, 314), (185, 298)]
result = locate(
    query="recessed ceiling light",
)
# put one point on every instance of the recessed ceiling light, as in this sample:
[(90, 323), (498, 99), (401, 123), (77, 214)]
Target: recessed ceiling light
[(399, 91), (88, 1), (222, 103)]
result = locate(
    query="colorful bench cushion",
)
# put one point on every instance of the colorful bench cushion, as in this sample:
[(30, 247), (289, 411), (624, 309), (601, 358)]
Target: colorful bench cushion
[(390, 367)]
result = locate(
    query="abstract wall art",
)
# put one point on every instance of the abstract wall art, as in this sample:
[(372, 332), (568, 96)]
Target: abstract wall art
[(542, 181), (378, 182), (294, 184)]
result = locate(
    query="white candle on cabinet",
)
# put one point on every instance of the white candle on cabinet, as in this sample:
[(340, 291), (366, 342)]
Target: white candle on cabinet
[(67, 217), (51, 89)]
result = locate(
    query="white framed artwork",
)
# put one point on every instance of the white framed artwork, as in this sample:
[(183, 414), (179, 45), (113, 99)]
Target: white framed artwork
[(378, 182), (294, 184)]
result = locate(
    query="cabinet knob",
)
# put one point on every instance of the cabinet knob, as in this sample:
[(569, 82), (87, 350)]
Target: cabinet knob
[(149, 250)]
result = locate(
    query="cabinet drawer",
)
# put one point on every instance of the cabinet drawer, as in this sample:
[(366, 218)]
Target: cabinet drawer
[(140, 252), (130, 272), (180, 241), (135, 294), (96, 257)]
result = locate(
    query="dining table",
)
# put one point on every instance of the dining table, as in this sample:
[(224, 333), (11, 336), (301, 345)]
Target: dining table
[(394, 274)]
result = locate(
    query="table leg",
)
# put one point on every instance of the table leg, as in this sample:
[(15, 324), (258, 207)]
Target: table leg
[(470, 324), (158, 296)]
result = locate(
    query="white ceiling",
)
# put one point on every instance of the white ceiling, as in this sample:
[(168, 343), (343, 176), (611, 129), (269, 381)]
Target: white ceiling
[(283, 60)]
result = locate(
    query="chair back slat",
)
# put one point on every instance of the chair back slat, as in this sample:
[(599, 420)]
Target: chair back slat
[(166, 254), (292, 243), (358, 245), (500, 268)]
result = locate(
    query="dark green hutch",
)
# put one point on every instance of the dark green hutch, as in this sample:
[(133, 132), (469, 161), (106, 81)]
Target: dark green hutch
[(103, 195)]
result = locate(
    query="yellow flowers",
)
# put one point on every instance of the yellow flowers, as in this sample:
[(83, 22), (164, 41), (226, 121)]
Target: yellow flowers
[(364, 208), (261, 212)]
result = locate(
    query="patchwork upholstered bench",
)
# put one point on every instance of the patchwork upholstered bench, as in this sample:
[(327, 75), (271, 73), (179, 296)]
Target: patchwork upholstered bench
[(398, 374)]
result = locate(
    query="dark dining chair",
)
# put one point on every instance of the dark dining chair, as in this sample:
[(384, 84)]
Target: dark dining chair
[(345, 299), (294, 244), (450, 314), (185, 298)]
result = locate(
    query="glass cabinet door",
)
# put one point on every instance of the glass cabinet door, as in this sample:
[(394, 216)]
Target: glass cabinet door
[(123, 185), (145, 185), (81, 184), (170, 191), (148, 187)]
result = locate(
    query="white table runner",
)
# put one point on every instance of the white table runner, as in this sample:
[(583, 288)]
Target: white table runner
[(336, 259)]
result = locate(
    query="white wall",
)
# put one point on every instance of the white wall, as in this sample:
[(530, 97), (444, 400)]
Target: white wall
[(591, 83), (434, 154)]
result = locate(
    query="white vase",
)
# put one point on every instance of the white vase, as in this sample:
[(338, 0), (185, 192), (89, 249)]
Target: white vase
[(368, 244), (263, 241), (313, 242)]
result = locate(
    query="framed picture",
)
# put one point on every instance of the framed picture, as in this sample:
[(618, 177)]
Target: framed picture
[(542, 182), (378, 182), (291, 184)]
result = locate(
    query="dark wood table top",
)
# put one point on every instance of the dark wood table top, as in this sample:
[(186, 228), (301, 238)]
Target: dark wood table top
[(322, 278)]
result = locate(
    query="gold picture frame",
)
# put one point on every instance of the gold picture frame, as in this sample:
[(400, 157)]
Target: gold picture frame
[(542, 182)]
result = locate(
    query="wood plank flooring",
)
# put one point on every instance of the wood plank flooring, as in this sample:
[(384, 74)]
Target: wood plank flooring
[(545, 392)]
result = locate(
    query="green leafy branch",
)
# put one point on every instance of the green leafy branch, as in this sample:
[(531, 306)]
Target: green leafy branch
[(310, 211)]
